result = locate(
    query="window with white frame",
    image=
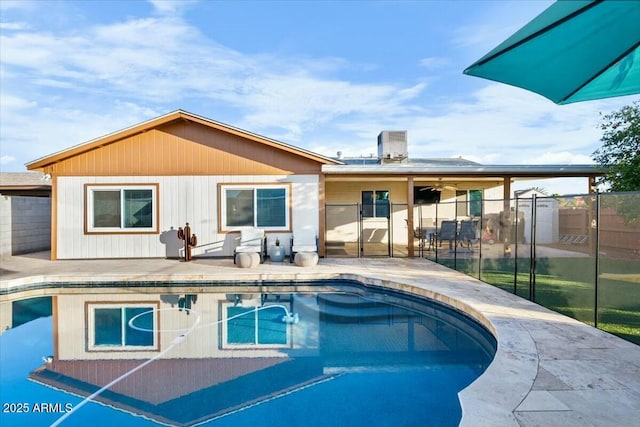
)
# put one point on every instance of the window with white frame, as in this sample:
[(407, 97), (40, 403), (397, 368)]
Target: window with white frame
[(122, 208), (262, 206), (122, 326)]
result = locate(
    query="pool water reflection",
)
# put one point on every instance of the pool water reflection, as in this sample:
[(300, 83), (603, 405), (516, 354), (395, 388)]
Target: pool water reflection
[(335, 354)]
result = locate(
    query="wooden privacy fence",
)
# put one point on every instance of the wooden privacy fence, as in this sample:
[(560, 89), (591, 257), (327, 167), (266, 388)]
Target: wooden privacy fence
[(614, 234), (617, 236), (573, 222)]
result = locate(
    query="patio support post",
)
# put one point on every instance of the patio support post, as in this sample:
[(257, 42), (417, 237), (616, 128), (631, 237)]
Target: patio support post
[(596, 243), (410, 227), (437, 239), (322, 216), (506, 216), (54, 215), (593, 187), (592, 216), (532, 249), (360, 240)]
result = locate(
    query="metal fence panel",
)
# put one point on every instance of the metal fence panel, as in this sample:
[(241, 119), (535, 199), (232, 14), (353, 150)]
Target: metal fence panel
[(618, 240), (576, 254), (342, 225), (565, 262)]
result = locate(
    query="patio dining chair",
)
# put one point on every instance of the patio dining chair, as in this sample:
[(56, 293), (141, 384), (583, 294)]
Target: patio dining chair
[(418, 233), (448, 231), (468, 234)]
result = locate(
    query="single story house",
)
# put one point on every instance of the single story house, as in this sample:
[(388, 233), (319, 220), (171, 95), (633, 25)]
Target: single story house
[(126, 194)]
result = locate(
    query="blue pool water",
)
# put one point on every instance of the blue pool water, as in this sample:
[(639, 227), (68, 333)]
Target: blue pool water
[(326, 354)]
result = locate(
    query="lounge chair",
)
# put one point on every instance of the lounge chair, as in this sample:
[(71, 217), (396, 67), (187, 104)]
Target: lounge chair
[(252, 240), (303, 241)]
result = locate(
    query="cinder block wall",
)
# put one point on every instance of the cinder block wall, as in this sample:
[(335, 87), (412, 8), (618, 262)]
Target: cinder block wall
[(5, 226), (25, 224)]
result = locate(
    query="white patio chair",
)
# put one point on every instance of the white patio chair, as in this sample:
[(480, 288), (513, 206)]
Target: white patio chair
[(252, 240), (303, 241)]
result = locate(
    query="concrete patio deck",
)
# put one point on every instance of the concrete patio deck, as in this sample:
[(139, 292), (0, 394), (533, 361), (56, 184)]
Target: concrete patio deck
[(549, 369)]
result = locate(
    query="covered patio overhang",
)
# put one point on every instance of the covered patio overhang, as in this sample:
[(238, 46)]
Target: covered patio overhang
[(459, 176)]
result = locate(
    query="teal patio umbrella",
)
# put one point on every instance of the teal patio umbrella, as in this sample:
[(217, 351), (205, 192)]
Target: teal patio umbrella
[(573, 51)]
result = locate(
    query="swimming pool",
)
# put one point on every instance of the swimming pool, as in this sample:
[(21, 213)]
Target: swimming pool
[(312, 353)]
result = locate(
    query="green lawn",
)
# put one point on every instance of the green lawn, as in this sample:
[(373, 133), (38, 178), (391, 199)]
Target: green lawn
[(567, 285)]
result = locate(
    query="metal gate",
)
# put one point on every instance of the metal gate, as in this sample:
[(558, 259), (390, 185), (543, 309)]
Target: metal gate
[(356, 230), (375, 232)]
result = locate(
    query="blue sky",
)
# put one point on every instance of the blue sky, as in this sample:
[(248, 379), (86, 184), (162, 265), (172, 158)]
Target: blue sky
[(327, 76)]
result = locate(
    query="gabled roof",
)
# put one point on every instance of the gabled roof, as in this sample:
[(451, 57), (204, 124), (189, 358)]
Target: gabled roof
[(167, 387), (167, 118)]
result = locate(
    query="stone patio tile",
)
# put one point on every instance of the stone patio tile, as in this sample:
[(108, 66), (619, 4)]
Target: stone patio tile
[(541, 400), (547, 381)]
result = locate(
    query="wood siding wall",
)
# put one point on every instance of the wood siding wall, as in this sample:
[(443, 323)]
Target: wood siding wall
[(182, 199), (185, 148), (204, 342)]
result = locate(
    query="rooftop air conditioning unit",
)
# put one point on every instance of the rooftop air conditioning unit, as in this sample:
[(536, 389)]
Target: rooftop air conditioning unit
[(392, 146)]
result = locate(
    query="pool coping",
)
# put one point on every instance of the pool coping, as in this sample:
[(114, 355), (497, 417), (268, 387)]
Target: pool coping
[(547, 368)]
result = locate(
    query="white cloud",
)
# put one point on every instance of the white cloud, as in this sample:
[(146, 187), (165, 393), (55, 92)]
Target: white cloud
[(5, 160), (561, 157), (432, 63), (551, 186), (171, 6), (305, 103), (160, 61), (10, 102), (144, 58), (6, 5), (504, 124), (9, 26), (44, 131)]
